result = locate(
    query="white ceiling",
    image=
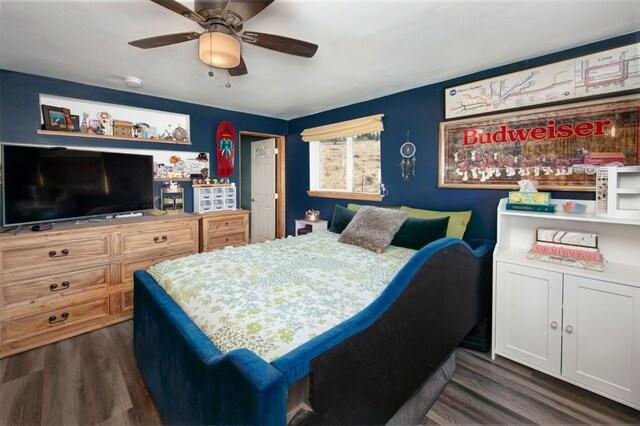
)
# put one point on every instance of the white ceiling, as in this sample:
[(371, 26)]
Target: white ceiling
[(367, 48)]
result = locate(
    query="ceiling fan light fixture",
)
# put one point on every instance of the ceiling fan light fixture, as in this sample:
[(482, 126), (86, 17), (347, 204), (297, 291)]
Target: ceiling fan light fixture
[(219, 50)]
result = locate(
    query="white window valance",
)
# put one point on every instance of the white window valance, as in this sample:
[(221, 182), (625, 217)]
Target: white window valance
[(373, 123)]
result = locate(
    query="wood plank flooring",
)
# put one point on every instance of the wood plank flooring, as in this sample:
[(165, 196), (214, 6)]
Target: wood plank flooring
[(93, 379)]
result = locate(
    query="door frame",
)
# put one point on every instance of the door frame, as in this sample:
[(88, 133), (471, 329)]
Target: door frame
[(280, 177)]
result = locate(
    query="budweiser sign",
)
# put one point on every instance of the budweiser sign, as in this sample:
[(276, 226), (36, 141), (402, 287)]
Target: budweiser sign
[(560, 147), (523, 134)]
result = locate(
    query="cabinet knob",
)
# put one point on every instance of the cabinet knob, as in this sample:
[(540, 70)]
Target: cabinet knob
[(554, 324), (569, 329), (158, 240)]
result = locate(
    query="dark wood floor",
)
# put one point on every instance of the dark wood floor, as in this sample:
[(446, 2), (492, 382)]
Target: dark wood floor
[(93, 379)]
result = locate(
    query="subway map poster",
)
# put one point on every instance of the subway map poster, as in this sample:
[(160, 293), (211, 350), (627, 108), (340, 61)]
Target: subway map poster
[(600, 73)]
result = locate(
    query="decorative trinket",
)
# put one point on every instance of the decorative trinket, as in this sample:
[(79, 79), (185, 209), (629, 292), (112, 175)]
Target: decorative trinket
[(408, 162)]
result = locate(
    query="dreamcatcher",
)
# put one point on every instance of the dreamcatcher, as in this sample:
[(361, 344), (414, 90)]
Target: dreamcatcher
[(408, 162)]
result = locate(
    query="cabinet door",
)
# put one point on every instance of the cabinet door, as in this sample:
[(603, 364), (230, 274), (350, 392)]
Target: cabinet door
[(601, 344), (529, 315)]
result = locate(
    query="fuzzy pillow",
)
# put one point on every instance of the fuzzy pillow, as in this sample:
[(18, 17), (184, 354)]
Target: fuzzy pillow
[(373, 228)]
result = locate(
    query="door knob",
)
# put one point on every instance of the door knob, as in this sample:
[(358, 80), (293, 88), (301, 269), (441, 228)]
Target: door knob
[(569, 329), (554, 324)]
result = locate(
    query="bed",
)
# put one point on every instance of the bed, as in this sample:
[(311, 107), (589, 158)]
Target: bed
[(355, 370)]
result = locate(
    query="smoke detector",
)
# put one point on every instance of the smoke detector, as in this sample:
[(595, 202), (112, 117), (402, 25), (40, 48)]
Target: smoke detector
[(132, 81)]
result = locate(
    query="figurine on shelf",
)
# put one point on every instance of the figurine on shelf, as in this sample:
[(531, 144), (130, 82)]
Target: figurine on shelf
[(204, 172), (84, 126), (105, 122), (207, 180), (140, 130)]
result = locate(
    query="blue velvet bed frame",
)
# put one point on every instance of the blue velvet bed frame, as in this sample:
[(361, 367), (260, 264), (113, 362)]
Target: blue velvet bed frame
[(360, 372)]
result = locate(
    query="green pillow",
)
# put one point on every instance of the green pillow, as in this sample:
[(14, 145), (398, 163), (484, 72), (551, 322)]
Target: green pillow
[(341, 218), (457, 223), (356, 207), (417, 233)]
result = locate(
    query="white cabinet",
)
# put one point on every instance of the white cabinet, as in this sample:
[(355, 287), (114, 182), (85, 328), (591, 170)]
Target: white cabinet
[(578, 325), (601, 340), (530, 306), (213, 198)]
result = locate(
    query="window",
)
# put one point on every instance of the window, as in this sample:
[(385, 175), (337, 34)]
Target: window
[(345, 165), (349, 164)]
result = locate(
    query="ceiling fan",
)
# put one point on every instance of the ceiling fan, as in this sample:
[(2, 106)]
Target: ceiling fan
[(219, 44)]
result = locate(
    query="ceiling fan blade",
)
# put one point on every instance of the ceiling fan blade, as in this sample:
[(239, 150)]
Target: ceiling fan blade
[(180, 9), (241, 69), (164, 40), (244, 9), (281, 44)]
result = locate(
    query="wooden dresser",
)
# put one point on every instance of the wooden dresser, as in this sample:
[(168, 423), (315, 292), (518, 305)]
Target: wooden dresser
[(77, 278), (225, 228)]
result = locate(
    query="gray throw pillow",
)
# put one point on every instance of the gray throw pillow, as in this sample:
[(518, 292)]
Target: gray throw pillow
[(373, 228)]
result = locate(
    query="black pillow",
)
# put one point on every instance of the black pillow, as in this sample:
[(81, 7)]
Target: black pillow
[(417, 233), (341, 218)]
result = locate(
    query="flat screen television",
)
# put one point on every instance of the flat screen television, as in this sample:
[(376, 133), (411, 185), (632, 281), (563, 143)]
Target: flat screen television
[(54, 184)]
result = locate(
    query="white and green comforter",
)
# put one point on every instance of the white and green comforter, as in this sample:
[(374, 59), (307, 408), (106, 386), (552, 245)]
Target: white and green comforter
[(274, 296)]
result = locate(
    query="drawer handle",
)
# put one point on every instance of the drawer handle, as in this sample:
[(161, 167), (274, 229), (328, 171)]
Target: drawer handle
[(63, 253), (159, 240), (226, 239), (63, 317), (63, 285), (206, 196), (226, 224), (569, 329)]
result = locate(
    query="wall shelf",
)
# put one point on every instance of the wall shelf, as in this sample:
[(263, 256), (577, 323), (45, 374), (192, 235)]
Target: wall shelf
[(122, 138), (167, 179)]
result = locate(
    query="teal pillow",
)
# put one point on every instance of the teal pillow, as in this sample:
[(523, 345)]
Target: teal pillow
[(341, 218), (417, 233)]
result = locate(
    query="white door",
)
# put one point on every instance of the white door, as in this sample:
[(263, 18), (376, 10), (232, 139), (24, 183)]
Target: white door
[(263, 190), (529, 315), (601, 343)]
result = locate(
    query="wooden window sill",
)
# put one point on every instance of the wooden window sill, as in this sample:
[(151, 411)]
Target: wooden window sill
[(345, 195)]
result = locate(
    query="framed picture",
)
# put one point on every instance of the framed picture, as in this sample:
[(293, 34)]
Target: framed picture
[(560, 147), (54, 118), (595, 74), (75, 119)]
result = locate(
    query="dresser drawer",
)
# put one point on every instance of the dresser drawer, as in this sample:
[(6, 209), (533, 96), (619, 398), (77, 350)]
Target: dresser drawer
[(227, 240), (226, 226), (53, 257), (160, 241), (54, 321), (55, 286), (128, 268)]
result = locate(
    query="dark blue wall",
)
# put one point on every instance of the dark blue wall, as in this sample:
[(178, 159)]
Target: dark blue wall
[(20, 118), (419, 111)]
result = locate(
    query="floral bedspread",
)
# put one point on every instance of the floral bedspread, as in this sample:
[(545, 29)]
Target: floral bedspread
[(274, 296)]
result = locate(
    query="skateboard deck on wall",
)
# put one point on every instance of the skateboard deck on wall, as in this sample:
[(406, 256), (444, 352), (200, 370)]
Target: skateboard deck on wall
[(225, 148)]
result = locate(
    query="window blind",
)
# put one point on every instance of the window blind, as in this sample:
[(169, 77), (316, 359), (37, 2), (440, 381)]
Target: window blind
[(373, 123)]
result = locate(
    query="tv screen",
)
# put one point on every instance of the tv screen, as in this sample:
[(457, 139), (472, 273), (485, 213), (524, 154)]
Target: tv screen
[(53, 184)]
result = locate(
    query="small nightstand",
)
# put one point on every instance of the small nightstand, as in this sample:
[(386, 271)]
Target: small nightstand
[(316, 225)]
